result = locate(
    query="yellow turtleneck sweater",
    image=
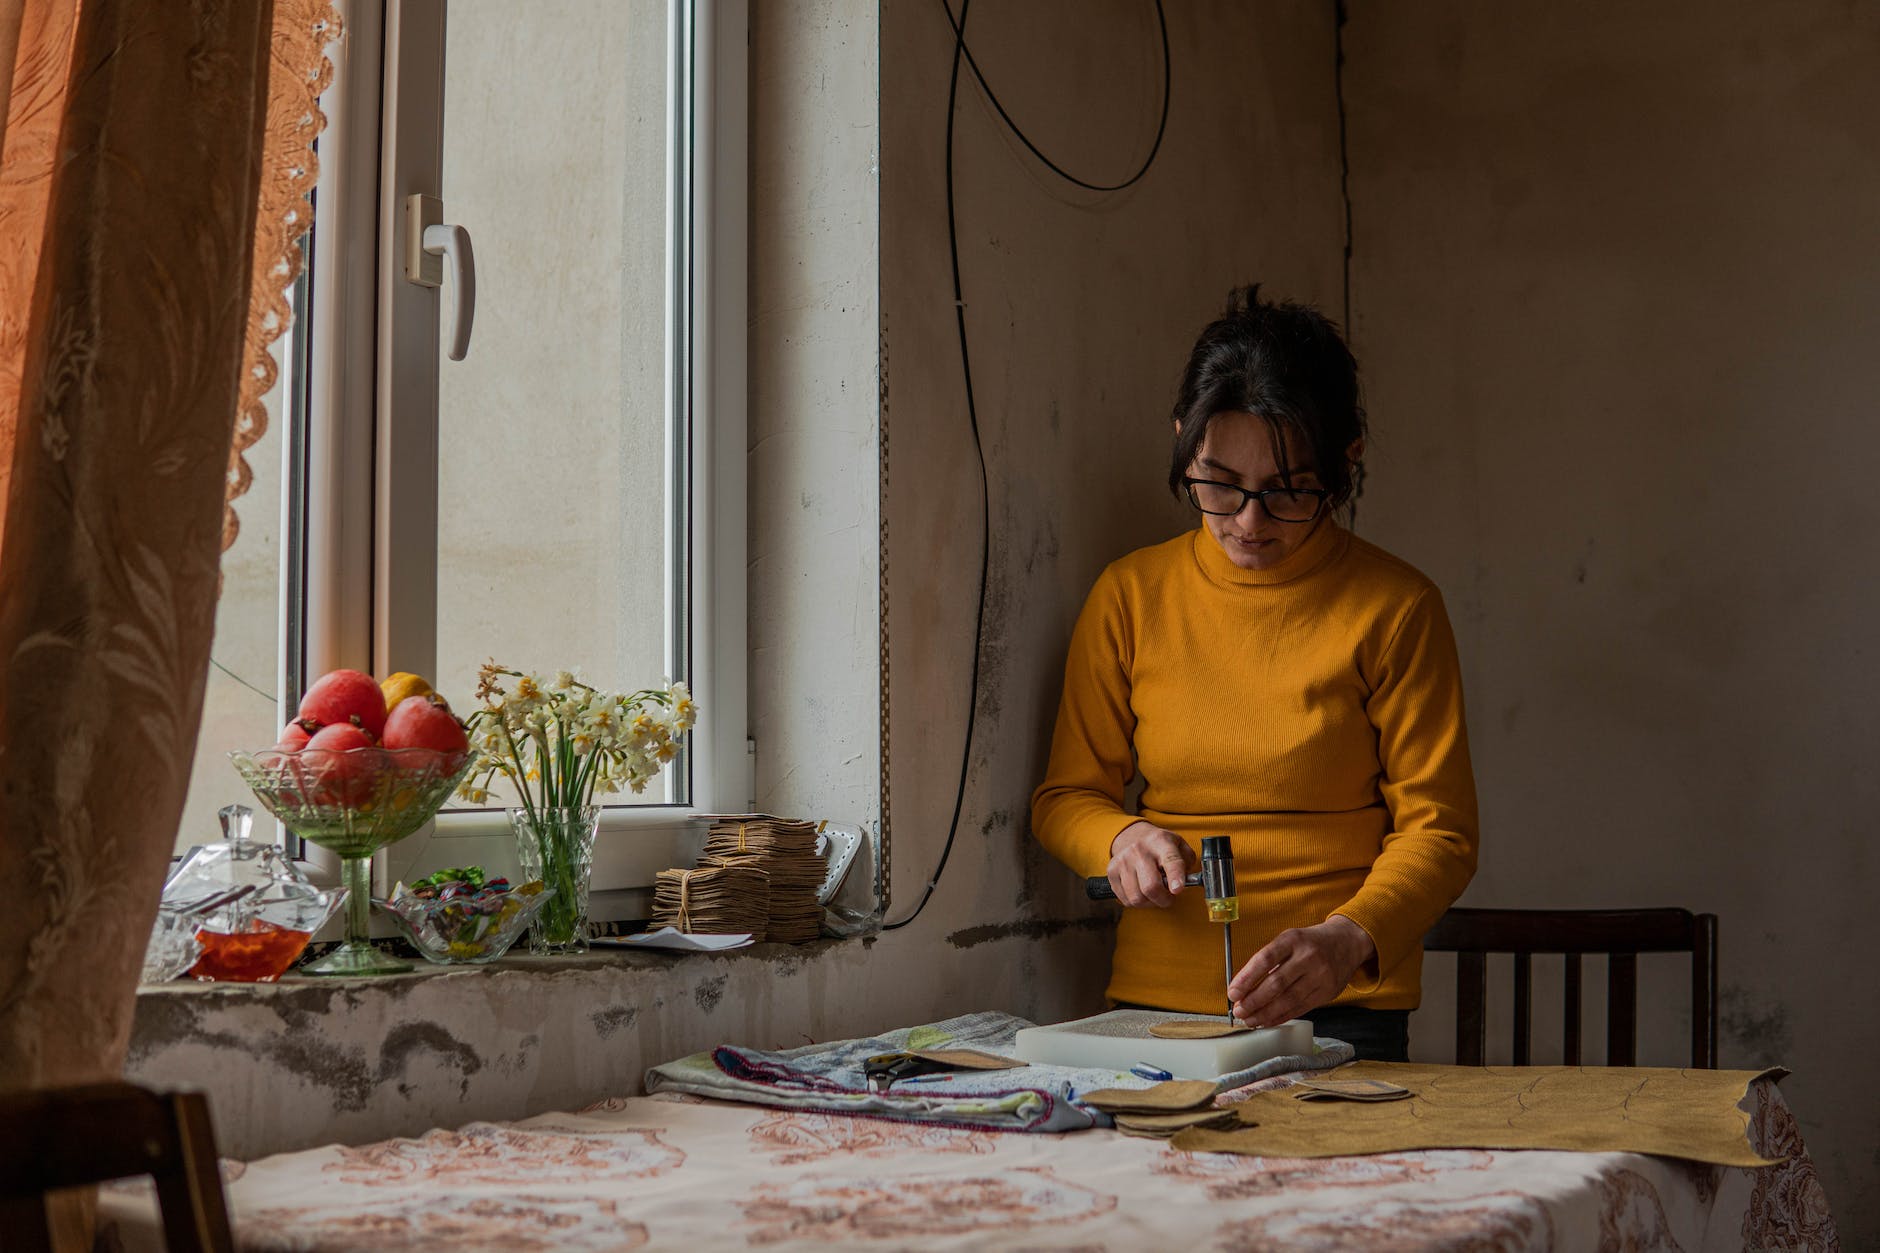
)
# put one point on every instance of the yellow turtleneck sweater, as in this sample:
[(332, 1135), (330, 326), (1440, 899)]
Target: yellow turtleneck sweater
[(1312, 712)]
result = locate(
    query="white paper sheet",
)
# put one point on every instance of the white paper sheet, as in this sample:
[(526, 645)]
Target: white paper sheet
[(678, 941)]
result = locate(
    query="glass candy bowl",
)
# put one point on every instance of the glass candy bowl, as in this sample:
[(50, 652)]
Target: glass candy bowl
[(353, 802), (248, 909), (468, 928)]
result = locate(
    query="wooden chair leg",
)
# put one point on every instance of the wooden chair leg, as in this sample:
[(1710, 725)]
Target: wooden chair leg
[(195, 1212)]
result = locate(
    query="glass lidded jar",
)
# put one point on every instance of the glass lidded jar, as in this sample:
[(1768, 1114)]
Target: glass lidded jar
[(253, 909)]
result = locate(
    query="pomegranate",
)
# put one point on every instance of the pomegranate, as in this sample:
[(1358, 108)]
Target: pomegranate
[(286, 749), (336, 774), (345, 698), (425, 722)]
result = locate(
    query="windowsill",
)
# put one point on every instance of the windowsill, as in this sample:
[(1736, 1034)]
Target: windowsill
[(523, 965), (312, 1060)]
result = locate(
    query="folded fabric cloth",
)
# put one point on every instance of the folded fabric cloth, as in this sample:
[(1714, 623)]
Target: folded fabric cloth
[(831, 1078)]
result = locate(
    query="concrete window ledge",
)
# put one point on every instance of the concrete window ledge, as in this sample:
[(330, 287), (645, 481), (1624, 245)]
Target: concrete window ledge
[(322, 1061), (312, 1061)]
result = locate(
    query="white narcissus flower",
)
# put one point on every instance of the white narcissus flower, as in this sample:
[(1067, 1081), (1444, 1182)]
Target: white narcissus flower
[(624, 738), (684, 708), (643, 733)]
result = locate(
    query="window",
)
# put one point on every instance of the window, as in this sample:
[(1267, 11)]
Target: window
[(570, 493)]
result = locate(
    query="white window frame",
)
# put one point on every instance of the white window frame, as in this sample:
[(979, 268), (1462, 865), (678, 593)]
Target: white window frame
[(371, 501)]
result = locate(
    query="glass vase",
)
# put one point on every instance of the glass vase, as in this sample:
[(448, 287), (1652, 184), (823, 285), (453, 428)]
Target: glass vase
[(557, 846)]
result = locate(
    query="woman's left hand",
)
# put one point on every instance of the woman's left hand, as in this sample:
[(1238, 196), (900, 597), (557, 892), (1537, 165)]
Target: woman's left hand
[(1299, 971)]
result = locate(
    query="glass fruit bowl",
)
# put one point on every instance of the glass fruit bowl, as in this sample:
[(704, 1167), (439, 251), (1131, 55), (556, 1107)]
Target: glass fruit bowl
[(353, 802), (467, 928)]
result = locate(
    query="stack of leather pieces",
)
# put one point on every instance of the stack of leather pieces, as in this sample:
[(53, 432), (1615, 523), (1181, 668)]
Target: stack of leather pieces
[(784, 850), (1159, 1112), (713, 900)]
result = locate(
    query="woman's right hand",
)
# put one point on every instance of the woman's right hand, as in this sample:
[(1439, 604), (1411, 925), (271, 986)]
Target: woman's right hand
[(1148, 864)]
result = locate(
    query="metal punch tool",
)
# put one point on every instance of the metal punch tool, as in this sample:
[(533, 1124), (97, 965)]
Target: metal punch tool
[(1216, 881)]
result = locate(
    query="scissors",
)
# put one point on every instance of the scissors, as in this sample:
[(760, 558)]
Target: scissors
[(884, 1070)]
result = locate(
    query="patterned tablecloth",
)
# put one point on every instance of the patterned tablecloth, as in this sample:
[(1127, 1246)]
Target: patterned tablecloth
[(685, 1174)]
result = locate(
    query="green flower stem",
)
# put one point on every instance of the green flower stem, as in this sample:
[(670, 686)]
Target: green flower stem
[(559, 836)]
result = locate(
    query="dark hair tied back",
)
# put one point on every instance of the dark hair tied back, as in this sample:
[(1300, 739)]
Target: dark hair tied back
[(1285, 363)]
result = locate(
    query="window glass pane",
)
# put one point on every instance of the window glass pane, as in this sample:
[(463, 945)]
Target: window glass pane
[(552, 432), (239, 710)]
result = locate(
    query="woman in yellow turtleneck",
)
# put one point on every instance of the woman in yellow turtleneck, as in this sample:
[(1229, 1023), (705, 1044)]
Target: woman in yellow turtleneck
[(1273, 678)]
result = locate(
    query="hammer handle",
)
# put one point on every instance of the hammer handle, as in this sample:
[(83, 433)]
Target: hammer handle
[(1099, 889)]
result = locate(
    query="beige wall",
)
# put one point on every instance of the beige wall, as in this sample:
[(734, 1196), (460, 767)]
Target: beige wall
[(815, 623), (1617, 298), (1080, 311)]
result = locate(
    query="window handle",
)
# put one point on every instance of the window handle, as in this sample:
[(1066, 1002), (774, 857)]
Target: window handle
[(430, 243)]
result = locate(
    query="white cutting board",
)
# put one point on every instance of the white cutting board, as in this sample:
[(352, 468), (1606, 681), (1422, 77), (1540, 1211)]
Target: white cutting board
[(1120, 1039)]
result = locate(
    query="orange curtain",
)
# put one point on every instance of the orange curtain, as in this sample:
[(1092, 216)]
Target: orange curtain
[(129, 169)]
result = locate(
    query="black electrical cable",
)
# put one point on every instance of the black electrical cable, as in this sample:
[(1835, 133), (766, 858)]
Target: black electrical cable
[(985, 480), (960, 51), (1161, 128), (1340, 15)]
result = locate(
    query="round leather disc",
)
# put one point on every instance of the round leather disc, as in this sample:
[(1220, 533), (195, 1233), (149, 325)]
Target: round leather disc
[(1195, 1029)]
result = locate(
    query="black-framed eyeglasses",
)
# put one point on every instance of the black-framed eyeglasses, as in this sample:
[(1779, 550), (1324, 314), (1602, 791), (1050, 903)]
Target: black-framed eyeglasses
[(1282, 504)]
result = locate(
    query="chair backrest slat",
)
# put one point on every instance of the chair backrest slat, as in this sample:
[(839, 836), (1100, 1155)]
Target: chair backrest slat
[(1471, 1008), (1570, 1013), (1523, 1006), (1621, 1009), (1704, 993), (1562, 931), (1619, 934)]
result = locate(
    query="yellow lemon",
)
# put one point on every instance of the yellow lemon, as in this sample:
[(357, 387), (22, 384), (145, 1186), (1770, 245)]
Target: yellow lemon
[(399, 686)]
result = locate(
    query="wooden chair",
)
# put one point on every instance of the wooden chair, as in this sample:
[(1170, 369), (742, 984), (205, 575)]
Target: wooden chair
[(71, 1137), (1622, 934)]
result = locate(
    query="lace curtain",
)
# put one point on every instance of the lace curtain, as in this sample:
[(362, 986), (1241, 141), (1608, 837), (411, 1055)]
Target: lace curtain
[(153, 169), (299, 70)]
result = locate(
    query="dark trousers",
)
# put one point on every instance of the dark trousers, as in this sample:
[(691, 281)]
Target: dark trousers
[(1379, 1035)]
